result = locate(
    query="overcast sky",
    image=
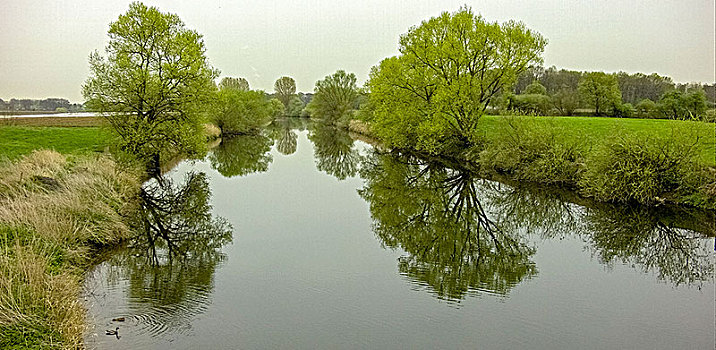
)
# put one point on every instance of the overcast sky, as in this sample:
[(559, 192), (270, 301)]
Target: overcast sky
[(44, 44)]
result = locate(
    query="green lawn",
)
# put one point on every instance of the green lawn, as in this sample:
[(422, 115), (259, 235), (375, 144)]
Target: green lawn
[(16, 141), (593, 129)]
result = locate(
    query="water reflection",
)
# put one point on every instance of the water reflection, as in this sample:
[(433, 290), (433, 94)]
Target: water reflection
[(667, 241), (334, 151), (282, 132), (242, 155), (168, 268), (433, 212)]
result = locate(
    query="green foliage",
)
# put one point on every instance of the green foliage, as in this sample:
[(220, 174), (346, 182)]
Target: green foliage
[(154, 85), (334, 97), (566, 101), (234, 83), (450, 67), (645, 108), (285, 88), (295, 107), (532, 151), (600, 90), (623, 110), (677, 104), (536, 88), (529, 104), (243, 112), (276, 108), (644, 169)]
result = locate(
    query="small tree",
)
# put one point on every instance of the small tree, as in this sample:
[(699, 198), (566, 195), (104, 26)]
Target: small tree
[(334, 96), (154, 85), (600, 90), (535, 88), (285, 88), (234, 83), (450, 67), (645, 108), (676, 104), (566, 101)]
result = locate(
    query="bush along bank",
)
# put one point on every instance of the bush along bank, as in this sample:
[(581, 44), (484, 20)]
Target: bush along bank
[(621, 168), (54, 210)]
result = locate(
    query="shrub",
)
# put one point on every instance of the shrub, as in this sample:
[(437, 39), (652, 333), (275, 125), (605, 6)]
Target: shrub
[(643, 169), (532, 151)]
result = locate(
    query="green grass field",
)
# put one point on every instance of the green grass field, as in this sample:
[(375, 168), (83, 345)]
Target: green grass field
[(16, 141), (589, 131)]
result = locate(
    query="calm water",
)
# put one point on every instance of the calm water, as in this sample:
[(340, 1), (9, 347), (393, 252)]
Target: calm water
[(305, 238)]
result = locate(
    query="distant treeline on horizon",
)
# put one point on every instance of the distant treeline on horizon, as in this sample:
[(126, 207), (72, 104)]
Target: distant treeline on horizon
[(45, 105), (634, 88)]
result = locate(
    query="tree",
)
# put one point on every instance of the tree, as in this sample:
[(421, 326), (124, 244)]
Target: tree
[(334, 96), (645, 108), (244, 112), (154, 85), (285, 88), (677, 104), (600, 90), (536, 88), (566, 101), (295, 106), (450, 67), (235, 83)]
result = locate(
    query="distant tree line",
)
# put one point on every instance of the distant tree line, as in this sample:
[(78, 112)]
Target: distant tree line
[(48, 104), (542, 91)]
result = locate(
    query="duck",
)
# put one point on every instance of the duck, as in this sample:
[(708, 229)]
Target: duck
[(118, 319), (113, 332)]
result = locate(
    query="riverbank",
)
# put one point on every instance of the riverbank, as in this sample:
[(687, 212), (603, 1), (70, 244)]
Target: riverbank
[(54, 211), (648, 162)]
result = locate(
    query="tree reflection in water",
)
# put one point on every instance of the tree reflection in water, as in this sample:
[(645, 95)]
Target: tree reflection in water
[(334, 151), (661, 240), (282, 132), (433, 212), (242, 155), (170, 264)]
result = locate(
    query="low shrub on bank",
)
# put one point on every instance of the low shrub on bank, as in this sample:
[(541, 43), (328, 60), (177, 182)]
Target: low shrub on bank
[(532, 151), (643, 169), (53, 209)]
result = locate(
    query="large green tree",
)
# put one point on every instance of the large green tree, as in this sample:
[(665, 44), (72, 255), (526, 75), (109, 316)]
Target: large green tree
[(334, 97), (285, 88), (154, 84), (450, 67), (600, 90)]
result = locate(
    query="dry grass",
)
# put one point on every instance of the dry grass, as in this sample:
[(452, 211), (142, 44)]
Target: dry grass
[(53, 209)]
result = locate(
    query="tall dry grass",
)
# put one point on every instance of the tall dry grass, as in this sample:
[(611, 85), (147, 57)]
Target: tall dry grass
[(53, 211)]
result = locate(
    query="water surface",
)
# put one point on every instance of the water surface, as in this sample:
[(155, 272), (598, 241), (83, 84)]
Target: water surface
[(305, 238)]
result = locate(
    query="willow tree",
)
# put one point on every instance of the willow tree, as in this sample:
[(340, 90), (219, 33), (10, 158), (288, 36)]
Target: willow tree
[(334, 97), (154, 85), (431, 96)]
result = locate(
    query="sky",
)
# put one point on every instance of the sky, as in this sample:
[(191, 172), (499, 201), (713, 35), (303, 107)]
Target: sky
[(44, 44)]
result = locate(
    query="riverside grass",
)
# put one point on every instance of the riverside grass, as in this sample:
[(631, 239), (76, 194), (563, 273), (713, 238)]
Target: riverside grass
[(53, 210), (16, 141)]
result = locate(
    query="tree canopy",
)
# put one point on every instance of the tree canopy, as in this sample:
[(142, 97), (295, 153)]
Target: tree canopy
[(285, 88), (431, 96), (154, 84), (234, 83), (600, 90), (334, 97)]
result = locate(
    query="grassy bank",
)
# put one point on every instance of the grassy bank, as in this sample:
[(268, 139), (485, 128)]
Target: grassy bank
[(612, 160), (53, 210)]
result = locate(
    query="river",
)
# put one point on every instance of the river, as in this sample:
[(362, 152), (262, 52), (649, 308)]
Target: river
[(306, 238)]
